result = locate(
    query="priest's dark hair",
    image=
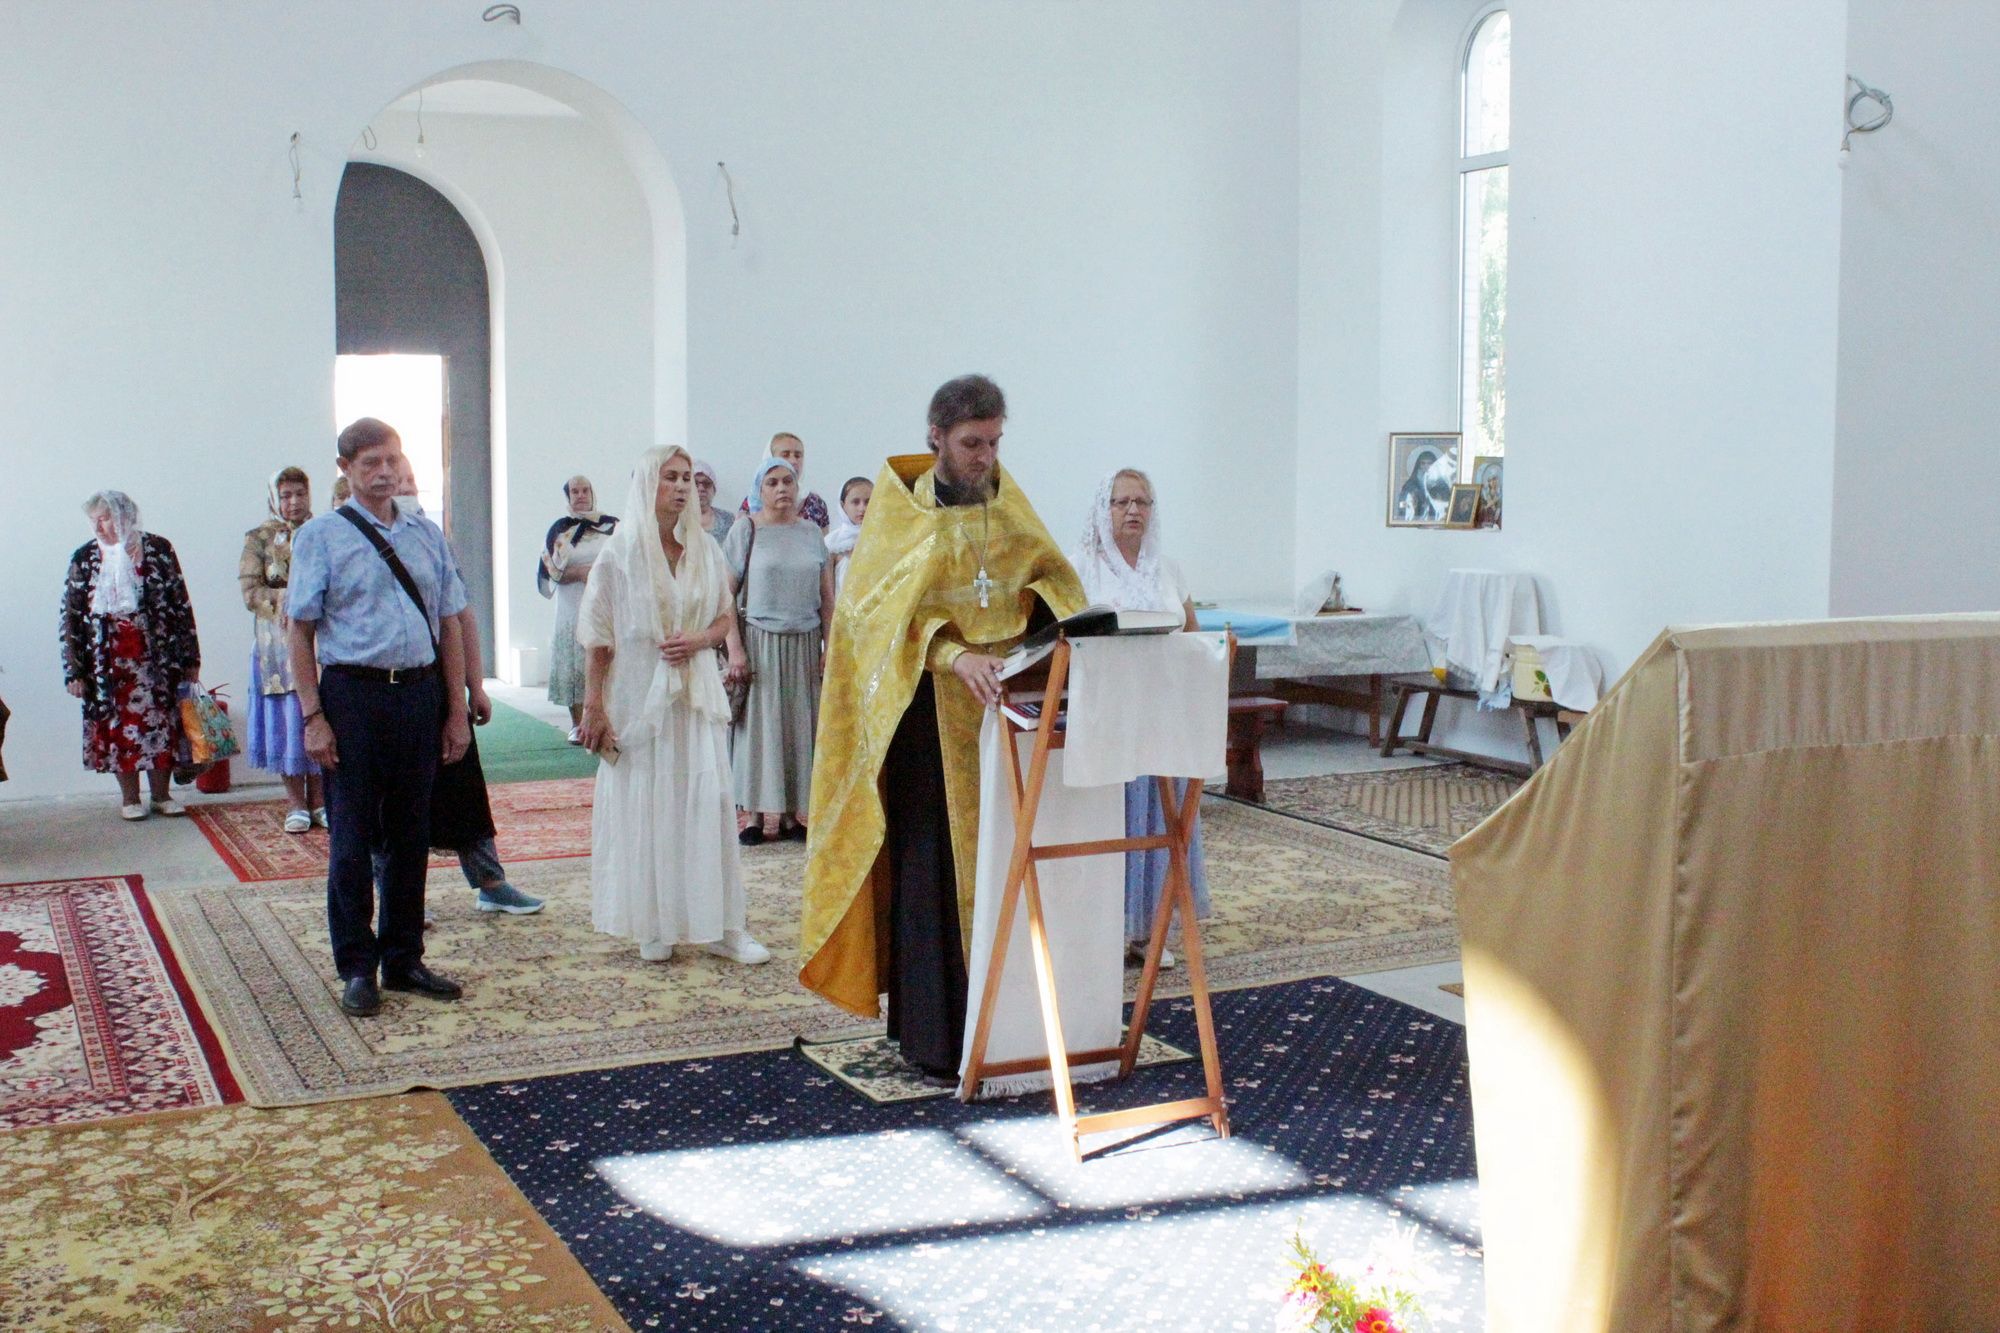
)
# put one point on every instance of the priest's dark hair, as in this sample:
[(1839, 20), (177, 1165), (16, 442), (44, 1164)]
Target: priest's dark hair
[(365, 433), (967, 398)]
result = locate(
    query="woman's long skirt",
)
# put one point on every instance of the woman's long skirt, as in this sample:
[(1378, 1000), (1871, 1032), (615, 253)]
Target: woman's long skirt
[(565, 653), (663, 860), (773, 749), (142, 718), (277, 730), (1146, 872)]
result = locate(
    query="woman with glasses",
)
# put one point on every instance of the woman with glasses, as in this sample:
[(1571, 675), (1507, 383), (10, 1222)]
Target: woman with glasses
[(1120, 564)]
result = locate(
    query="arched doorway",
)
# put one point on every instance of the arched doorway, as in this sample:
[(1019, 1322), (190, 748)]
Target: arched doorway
[(410, 281), (585, 251)]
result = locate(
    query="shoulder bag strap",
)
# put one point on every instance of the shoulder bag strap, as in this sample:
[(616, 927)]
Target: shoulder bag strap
[(743, 588), (397, 568)]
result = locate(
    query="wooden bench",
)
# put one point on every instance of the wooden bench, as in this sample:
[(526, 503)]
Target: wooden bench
[(1434, 690), (1249, 716)]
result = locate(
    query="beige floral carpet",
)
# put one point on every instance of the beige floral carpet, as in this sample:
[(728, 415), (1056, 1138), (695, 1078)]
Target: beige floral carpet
[(1426, 809), (384, 1214), (546, 994)]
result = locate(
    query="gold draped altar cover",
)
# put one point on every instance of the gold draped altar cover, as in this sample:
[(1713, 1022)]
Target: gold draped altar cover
[(911, 581), (1732, 983)]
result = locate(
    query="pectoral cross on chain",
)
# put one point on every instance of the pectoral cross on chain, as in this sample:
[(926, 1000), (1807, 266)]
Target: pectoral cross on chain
[(983, 586)]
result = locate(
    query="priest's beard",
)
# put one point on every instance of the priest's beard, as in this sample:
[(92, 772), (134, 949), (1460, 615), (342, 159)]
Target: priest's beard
[(951, 491)]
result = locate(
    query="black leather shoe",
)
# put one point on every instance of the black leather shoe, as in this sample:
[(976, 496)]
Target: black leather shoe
[(751, 835), (424, 982), (360, 997)]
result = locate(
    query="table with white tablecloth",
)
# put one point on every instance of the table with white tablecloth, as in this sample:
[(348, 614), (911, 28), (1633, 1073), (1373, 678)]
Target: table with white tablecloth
[(1359, 646)]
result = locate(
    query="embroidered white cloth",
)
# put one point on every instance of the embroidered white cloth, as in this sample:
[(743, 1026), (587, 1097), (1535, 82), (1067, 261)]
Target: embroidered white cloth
[(1475, 615), (1147, 704), (1083, 905), (1575, 679)]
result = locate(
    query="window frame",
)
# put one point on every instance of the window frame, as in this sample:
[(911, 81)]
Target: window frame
[(1468, 164)]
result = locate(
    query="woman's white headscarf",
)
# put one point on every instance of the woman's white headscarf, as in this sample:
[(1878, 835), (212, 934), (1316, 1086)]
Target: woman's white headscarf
[(117, 590), (633, 601), (1107, 579)]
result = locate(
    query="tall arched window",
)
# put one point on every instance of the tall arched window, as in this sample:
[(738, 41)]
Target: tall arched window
[(1482, 220)]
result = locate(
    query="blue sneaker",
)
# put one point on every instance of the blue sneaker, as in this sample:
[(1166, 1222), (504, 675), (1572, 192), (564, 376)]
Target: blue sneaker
[(507, 898)]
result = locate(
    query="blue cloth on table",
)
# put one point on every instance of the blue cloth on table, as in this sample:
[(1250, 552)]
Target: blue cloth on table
[(1249, 628), (1146, 872)]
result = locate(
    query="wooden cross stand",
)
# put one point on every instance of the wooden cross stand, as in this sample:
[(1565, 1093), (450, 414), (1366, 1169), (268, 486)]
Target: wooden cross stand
[(1022, 882)]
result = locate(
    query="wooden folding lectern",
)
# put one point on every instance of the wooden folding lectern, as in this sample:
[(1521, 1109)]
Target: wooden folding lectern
[(1022, 883)]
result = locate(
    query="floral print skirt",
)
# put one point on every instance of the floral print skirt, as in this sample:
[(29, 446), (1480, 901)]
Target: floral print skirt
[(143, 716)]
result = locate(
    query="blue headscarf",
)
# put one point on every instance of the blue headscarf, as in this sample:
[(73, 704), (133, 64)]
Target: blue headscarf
[(757, 481)]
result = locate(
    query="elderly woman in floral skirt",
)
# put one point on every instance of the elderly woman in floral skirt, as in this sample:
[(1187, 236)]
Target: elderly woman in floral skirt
[(128, 642), (276, 727)]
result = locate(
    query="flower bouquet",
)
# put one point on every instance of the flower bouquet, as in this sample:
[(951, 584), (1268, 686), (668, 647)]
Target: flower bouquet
[(1381, 1298)]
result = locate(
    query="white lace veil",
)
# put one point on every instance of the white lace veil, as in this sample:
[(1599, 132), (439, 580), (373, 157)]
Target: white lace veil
[(634, 600), (116, 592), (1107, 579)]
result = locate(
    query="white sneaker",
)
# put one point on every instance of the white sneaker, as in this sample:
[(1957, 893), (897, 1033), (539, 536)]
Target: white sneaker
[(576, 735), (319, 816), (169, 807), (298, 821), (1166, 958), (134, 812), (738, 947), (654, 951)]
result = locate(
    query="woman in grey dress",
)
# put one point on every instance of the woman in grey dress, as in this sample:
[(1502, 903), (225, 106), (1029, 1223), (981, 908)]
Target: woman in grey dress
[(567, 552), (780, 563)]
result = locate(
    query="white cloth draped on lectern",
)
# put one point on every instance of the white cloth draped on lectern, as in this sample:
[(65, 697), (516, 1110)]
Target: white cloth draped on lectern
[(1138, 705), (1083, 907), (1145, 705)]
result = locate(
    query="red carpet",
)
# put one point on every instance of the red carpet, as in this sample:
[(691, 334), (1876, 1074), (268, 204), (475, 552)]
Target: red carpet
[(537, 821), (96, 1019)]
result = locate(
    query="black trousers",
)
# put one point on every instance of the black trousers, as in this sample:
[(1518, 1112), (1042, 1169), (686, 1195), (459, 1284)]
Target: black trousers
[(926, 964), (379, 795)]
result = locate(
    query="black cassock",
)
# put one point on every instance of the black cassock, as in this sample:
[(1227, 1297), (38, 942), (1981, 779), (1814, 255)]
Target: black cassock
[(926, 960)]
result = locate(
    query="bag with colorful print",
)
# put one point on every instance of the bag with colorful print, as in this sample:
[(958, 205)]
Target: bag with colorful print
[(206, 735)]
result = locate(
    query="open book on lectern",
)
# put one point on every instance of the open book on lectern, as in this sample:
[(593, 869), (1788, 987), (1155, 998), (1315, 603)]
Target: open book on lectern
[(1090, 623)]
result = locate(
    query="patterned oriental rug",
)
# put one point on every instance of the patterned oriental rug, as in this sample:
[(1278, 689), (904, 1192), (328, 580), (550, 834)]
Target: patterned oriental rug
[(1425, 809), (753, 1193), (537, 821), (546, 994), (96, 1019), (377, 1215)]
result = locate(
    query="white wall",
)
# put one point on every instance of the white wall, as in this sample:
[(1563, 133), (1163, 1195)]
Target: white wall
[(1095, 204), (1914, 529), (563, 214), (1674, 239)]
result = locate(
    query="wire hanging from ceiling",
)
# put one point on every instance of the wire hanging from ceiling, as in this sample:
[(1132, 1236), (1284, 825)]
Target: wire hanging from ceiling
[(298, 170)]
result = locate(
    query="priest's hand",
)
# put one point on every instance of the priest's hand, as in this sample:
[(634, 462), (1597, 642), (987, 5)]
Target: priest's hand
[(981, 675), (595, 730)]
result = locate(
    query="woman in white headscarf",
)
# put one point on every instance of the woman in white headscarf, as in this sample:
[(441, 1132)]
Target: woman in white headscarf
[(277, 729), (715, 522), (658, 605), (1120, 564), (128, 641), (573, 542)]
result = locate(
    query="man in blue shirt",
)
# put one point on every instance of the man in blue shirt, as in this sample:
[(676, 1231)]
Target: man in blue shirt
[(382, 686)]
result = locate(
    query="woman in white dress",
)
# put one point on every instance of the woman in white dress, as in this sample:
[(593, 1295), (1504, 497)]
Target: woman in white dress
[(658, 604), (567, 552), (1120, 564)]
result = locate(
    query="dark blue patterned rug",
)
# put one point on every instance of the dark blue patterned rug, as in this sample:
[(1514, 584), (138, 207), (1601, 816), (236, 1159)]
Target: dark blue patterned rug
[(753, 1192)]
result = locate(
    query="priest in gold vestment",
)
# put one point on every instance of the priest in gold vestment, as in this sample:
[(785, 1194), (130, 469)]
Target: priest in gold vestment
[(951, 566)]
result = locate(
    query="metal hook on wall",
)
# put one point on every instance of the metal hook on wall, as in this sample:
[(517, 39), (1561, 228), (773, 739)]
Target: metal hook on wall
[(729, 184), (297, 169), (1864, 93), (509, 12)]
